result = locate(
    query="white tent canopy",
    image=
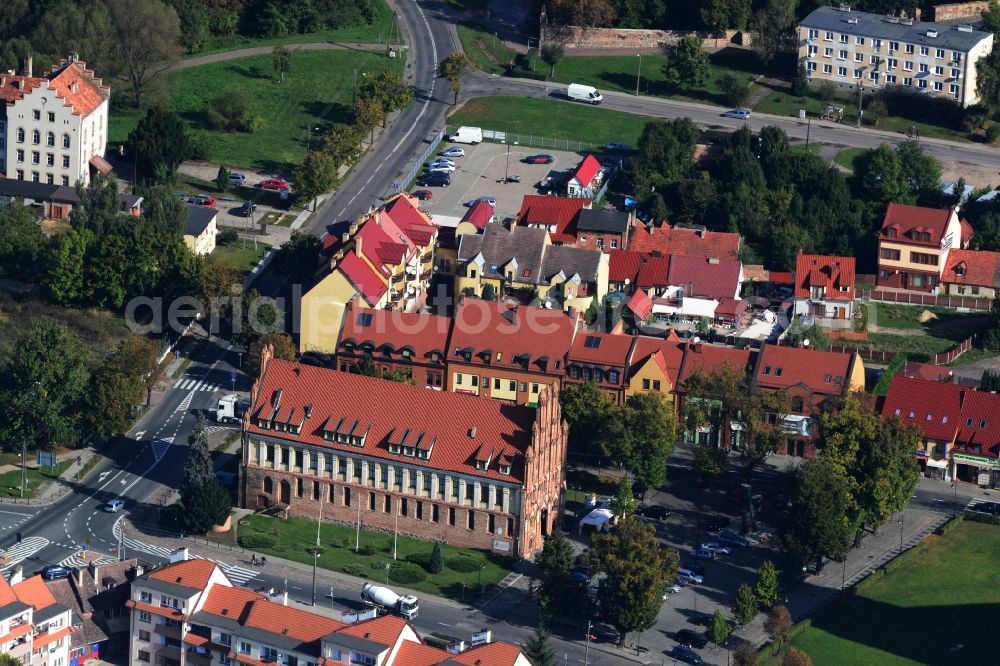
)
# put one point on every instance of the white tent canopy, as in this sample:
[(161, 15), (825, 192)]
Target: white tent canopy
[(599, 519)]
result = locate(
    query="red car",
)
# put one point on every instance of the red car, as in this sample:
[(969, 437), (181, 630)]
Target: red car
[(423, 195), (539, 159), (207, 201), (273, 184)]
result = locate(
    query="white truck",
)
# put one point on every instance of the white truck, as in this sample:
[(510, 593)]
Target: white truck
[(382, 597), (230, 409), (582, 93), (465, 134)]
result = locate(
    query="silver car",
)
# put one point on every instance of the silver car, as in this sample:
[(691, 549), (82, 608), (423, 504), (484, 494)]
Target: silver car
[(689, 576)]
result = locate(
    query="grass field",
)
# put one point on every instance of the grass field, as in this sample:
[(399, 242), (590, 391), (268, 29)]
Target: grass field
[(241, 255), (892, 315), (10, 482), (619, 73), (944, 595), (318, 92), (543, 118), (846, 157), (375, 32), (295, 535), (484, 50), (971, 356)]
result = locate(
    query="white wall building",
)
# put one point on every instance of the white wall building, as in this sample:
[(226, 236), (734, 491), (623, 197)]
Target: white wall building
[(54, 129)]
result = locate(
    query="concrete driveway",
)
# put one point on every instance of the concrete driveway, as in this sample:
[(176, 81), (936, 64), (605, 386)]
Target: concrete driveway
[(481, 172)]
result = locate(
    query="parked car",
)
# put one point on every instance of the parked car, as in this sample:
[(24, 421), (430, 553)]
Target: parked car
[(454, 151), (432, 178), (716, 548), (247, 208), (685, 654), (112, 506), (203, 200), (539, 159), (441, 162), (689, 576), (423, 195), (655, 512), (273, 184), (237, 178), (694, 567), (618, 147), (673, 588), (472, 202), (56, 571), (812, 569), (703, 554), (440, 167), (691, 638), (732, 538), (739, 114)]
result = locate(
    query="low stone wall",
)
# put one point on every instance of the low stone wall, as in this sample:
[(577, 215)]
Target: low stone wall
[(573, 37), (959, 10)]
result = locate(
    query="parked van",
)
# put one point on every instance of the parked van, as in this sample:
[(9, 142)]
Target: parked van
[(582, 93), (471, 135)]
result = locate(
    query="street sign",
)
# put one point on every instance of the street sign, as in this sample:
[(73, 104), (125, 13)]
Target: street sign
[(232, 378), (46, 459)]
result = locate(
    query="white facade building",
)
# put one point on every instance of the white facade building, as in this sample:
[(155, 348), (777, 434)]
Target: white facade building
[(54, 129)]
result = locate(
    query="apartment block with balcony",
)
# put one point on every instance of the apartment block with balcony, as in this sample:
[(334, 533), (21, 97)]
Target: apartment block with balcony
[(188, 613), (914, 244), (851, 49), (34, 628)]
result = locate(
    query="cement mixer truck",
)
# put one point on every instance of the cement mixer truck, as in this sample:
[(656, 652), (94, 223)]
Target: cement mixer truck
[(384, 598)]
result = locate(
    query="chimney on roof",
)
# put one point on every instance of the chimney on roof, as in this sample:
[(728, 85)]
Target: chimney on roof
[(344, 237), (73, 56), (94, 569), (20, 84), (472, 432), (73, 87), (17, 576), (713, 260), (353, 229), (701, 232), (27, 65), (179, 555)]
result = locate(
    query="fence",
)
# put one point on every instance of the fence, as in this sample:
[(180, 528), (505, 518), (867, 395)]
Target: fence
[(947, 357), (911, 298), (540, 141), (402, 182), (877, 355)]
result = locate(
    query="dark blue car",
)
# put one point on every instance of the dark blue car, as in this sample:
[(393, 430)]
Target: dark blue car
[(56, 571)]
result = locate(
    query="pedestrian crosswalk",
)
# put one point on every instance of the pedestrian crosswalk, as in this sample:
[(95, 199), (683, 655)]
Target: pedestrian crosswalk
[(21, 551), (238, 574), (197, 384), (160, 447), (77, 560), (977, 505)]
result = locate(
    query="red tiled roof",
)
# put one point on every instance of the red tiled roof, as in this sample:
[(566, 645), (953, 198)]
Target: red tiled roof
[(368, 283), (384, 630), (489, 654), (935, 407), (667, 353), (779, 277), (933, 373), (702, 278), (383, 242), (816, 270), (548, 211), (412, 221), (784, 367), (586, 170), (601, 348), (731, 307), (301, 625), (686, 242), (231, 602), (6, 592), (967, 231), (387, 408), (706, 358), (640, 304), (508, 332), (411, 653), (33, 592), (189, 573), (653, 272), (422, 333), (980, 424), (77, 87), (907, 219), (624, 265), (972, 267), (479, 214)]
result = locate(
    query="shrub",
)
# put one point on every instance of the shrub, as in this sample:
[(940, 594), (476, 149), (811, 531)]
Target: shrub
[(257, 541), (949, 526), (993, 133), (227, 236), (734, 89), (406, 573), (463, 564), (354, 569), (436, 564), (369, 549), (201, 147), (233, 112)]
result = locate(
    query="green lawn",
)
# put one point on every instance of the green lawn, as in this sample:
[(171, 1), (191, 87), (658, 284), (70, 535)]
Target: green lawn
[(375, 32), (484, 50), (846, 157), (782, 103), (893, 315), (241, 255), (619, 73), (944, 595), (552, 120), (295, 535), (317, 92), (10, 482), (916, 347), (971, 356)]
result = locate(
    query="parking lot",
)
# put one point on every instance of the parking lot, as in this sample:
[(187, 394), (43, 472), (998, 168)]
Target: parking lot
[(481, 173)]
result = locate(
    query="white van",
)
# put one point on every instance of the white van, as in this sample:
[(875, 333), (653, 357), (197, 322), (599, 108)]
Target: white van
[(471, 135), (582, 93)]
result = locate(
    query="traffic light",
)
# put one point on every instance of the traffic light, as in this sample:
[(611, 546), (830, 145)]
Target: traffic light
[(19, 537)]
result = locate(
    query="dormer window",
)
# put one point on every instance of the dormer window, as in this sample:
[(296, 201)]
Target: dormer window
[(890, 232), (406, 352), (828, 379), (777, 372), (968, 422), (261, 423), (480, 464), (504, 469), (424, 454), (767, 370), (960, 269)]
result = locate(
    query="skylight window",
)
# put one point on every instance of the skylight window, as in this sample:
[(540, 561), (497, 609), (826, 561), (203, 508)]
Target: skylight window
[(592, 341), (364, 319)]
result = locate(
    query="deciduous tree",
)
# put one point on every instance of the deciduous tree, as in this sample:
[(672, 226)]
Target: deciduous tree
[(298, 256), (122, 381), (688, 65), (315, 176), (766, 587), (879, 178), (718, 628), (551, 55), (342, 144), (453, 68), (368, 114), (795, 657), (236, 111), (921, 172), (745, 607), (819, 527), (281, 58), (146, 39), (623, 504), (778, 624), (21, 241), (587, 13), (648, 436), (720, 15), (773, 29), (282, 346), (637, 569), (588, 411), (389, 90), (736, 91), (538, 650)]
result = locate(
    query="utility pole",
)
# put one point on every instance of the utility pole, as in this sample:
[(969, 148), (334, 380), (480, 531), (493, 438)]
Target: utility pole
[(395, 531), (586, 653), (637, 73), (357, 537), (861, 112)]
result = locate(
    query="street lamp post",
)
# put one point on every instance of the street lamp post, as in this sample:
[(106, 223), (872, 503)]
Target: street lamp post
[(586, 653), (395, 532), (637, 73), (901, 517), (861, 91), (481, 588)]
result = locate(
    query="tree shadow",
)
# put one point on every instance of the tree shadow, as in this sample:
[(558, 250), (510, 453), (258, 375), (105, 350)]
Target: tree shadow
[(328, 112), (250, 72)]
